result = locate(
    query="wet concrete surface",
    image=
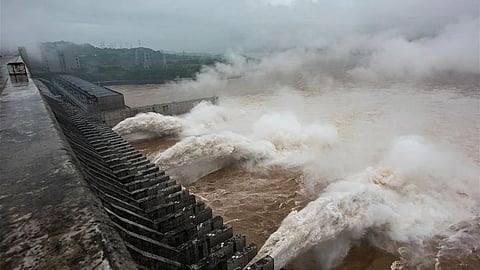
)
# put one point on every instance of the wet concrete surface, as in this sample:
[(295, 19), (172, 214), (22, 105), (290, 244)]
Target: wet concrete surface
[(49, 217)]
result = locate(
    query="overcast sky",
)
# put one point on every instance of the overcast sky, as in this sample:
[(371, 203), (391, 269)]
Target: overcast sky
[(221, 25)]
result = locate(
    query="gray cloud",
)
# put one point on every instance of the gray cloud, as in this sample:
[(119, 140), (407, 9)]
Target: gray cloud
[(217, 26)]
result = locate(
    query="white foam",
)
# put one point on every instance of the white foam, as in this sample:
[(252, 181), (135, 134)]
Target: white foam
[(204, 118), (196, 156), (397, 192), (285, 131), (209, 140), (404, 204), (158, 124)]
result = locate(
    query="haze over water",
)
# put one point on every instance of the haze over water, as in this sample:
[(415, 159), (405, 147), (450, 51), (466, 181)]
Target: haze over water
[(344, 141), (347, 132), (388, 168)]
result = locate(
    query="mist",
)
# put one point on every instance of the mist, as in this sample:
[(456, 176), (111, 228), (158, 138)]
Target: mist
[(372, 168), (374, 103), (379, 112), (388, 154), (253, 26)]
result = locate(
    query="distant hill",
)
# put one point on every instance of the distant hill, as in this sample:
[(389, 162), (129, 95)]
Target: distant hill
[(110, 64)]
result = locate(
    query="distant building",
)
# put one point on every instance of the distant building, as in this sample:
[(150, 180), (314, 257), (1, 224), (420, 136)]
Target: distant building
[(88, 96), (23, 53), (59, 57), (143, 58), (109, 105)]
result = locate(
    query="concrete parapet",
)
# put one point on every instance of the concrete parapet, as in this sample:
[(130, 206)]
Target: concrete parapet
[(113, 117), (108, 106), (50, 219), (162, 225)]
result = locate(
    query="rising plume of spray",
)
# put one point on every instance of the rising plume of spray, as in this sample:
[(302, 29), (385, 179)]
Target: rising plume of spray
[(410, 195), (153, 124), (213, 137), (385, 56), (201, 119), (196, 156), (416, 192), (400, 196)]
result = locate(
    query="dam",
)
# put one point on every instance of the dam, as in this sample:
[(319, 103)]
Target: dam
[(108, 105), (252, 203), (69, 183)]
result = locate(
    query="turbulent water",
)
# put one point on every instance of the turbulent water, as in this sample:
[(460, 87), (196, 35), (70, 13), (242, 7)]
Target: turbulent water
[(393, 170)]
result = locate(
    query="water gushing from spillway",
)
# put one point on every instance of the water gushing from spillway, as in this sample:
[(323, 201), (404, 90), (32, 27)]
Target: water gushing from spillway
[(419, 193), (149, 124), (215, 136), (367, 177), (387, 146)]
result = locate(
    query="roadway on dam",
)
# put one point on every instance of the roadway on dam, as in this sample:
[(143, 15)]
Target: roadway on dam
[(49, 217)]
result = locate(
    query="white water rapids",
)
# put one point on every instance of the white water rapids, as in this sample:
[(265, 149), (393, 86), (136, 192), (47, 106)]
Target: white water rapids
[(398, 167)]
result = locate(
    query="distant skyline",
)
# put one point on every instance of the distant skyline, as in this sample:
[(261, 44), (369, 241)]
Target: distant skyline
[(217, 26)]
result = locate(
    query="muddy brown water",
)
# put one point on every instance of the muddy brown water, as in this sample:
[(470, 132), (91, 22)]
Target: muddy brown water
[(255, 203)]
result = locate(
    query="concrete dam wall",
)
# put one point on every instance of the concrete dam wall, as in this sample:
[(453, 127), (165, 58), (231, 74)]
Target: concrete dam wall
[(113, 117), (109, 105), (49, 217), (77, 196), (161, 224)]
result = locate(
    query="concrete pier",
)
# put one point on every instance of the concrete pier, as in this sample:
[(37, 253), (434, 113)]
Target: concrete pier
[(75, 195), (49, 219), (108, 105)]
